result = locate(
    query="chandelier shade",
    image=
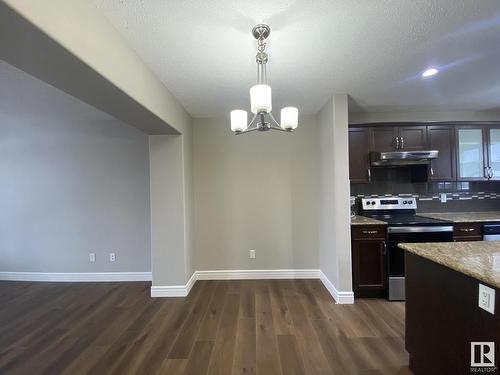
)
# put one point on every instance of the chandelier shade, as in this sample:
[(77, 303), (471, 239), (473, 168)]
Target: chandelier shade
[(239, 120), (289, 118), (261, 97)]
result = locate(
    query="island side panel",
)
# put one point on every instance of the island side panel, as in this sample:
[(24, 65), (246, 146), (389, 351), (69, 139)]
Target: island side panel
[(443, 318)]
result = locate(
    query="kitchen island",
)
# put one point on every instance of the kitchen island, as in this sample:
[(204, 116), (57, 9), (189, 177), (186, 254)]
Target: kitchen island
[(443, 317)]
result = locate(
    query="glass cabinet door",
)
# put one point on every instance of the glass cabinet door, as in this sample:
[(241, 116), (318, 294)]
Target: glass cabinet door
[(470, 154), (494, 153)]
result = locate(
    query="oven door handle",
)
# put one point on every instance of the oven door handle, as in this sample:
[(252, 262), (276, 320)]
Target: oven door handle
[(429, 229)]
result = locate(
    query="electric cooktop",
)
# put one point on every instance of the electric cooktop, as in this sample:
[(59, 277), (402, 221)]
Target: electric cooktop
[(405, 219), (396, 211)]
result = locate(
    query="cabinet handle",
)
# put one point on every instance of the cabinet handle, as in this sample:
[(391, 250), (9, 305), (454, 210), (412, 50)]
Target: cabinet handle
[(486, 173), (402, 143), (491, 172), (397, 143), (370, 231), (467, 229), (432, 171), (385, 248), (369, 174)]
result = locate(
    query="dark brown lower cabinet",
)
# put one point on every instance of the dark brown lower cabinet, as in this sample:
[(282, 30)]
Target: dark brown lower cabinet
[(467, 232), (369, 261)]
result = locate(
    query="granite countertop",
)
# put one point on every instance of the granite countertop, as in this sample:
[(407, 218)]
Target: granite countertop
[(464, 217), (479, 259), (363, 220)]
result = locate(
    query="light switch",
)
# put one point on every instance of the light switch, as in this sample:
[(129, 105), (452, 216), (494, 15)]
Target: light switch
[(487, 298)]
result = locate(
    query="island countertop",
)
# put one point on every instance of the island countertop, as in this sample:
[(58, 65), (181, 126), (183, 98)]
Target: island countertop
[(464, 217), (478, 259), (363, 220)]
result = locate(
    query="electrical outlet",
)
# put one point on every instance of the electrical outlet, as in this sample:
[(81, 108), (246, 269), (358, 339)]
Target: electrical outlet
[(487, 298), (252, 254), (444, 198), (112, 257), (92, 257)]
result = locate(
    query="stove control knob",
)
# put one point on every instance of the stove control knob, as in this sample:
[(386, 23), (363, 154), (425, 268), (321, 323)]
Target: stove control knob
[(373, 202), (410, 202), (405, 202), (368, 203)]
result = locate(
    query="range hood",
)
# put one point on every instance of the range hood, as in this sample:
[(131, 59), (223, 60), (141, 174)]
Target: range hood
[(400, 158)]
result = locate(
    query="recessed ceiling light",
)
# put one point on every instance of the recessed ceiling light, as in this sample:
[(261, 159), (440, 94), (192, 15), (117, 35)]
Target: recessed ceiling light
[(429, 72)]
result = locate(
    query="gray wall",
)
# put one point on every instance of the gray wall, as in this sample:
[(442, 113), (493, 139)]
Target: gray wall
[(171, 209), (335, 236), (327, 248), (255, 191), (72, 181)]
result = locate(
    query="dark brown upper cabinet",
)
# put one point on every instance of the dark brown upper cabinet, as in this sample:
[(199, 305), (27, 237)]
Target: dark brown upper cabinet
[(412, 138), (442, 138), (493, 151), (478, 152), (384, 138), (472, 156), (359, 160), (467, 151), (398, 138)]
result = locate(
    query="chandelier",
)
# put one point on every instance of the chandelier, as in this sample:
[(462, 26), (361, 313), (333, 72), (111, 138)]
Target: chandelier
[(260, 97)]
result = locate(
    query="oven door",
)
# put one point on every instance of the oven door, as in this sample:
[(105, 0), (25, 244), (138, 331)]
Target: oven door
[(396, 256)]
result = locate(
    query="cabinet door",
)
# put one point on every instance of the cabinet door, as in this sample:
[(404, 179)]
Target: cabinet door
[(494, 152), (471, 158), (383, 138), (412, 138), (359, 159), (368, 265), (442, 138)]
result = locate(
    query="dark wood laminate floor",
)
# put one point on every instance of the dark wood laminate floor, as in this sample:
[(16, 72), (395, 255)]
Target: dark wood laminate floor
[(222, 327)]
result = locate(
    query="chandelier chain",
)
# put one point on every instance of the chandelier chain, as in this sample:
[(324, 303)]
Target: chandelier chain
[(261, 44)]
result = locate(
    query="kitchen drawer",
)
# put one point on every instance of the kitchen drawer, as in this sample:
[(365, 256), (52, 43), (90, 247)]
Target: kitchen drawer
[(461, 230), (368, 231)]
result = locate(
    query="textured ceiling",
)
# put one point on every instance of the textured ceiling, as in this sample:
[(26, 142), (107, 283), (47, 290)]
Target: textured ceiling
[(203, 51)]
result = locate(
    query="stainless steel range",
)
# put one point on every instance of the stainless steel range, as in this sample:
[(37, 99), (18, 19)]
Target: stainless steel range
[(404, 225)]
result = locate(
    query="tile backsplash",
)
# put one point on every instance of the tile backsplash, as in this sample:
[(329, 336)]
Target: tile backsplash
[(461, 196)]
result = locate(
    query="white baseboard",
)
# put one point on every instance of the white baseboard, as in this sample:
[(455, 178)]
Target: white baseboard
[(75, 276), (257, 274), (339, 296), (183, 290), (174, 290)]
